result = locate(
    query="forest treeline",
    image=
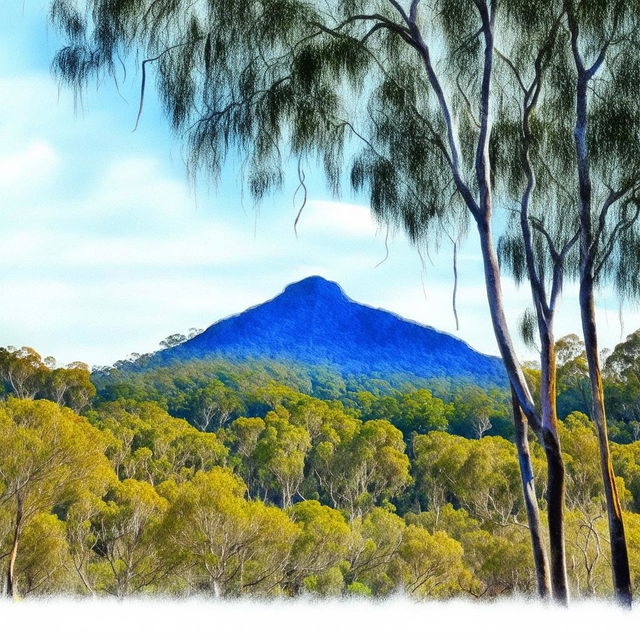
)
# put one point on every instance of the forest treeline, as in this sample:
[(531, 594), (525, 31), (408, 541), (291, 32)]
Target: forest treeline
[(265, 478)]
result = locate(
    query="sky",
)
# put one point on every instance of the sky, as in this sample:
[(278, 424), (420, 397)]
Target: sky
[(106, 247)]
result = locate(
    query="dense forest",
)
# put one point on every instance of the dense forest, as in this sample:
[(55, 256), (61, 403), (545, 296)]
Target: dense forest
[(266, 478)]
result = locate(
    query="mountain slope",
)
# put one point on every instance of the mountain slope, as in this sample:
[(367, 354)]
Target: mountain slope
[(313, 322)]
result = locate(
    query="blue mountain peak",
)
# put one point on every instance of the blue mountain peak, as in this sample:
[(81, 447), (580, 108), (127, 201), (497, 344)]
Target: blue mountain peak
[(315, 286), (314, 322)]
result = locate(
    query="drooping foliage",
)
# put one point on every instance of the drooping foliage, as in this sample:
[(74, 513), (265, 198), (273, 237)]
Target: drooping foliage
[(343, 85)]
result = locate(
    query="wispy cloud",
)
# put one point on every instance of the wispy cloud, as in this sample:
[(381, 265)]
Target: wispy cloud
[(337, 219)]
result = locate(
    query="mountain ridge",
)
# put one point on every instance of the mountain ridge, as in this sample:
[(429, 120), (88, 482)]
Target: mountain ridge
[(314, 322)]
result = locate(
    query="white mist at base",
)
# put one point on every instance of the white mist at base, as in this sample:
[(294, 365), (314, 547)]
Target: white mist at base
[(304, 619)]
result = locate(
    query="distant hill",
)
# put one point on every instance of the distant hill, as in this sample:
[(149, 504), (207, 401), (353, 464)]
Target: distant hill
[(313, 322)]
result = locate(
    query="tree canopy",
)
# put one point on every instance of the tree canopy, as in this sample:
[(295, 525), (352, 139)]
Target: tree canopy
[(297, 495)]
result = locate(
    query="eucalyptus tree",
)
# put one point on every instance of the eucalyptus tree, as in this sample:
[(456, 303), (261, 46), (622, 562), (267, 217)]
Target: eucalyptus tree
[(538, 247), (589, 69), (399, 96), (600, 83), (48, 455)]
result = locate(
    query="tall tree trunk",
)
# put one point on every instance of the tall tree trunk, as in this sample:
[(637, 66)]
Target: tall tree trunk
[(12, 591), (540, 560), (548, 387), (549, 439), (619, 553), (555, 464), (482, 213)]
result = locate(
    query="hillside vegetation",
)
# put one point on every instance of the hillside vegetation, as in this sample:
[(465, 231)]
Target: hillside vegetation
[(260, 477)]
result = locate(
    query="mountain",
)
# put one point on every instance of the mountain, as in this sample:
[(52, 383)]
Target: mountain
[(313, 322)]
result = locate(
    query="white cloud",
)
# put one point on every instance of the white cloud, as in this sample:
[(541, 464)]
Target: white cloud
[(104, 321), (337, 219), (135, 185), (26, 167)]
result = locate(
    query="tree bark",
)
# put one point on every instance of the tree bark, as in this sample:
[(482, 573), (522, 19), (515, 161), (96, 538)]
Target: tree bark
[(618, 542), (548, 438), (12, 591), (545, 310), (482, 212), (540, 560), (555, 464), (619, 553)]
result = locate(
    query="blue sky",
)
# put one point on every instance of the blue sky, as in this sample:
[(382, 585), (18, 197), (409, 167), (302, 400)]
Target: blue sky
[(106, 248)]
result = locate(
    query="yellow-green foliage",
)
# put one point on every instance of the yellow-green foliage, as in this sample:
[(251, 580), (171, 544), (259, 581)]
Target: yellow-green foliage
[(307, 496)]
